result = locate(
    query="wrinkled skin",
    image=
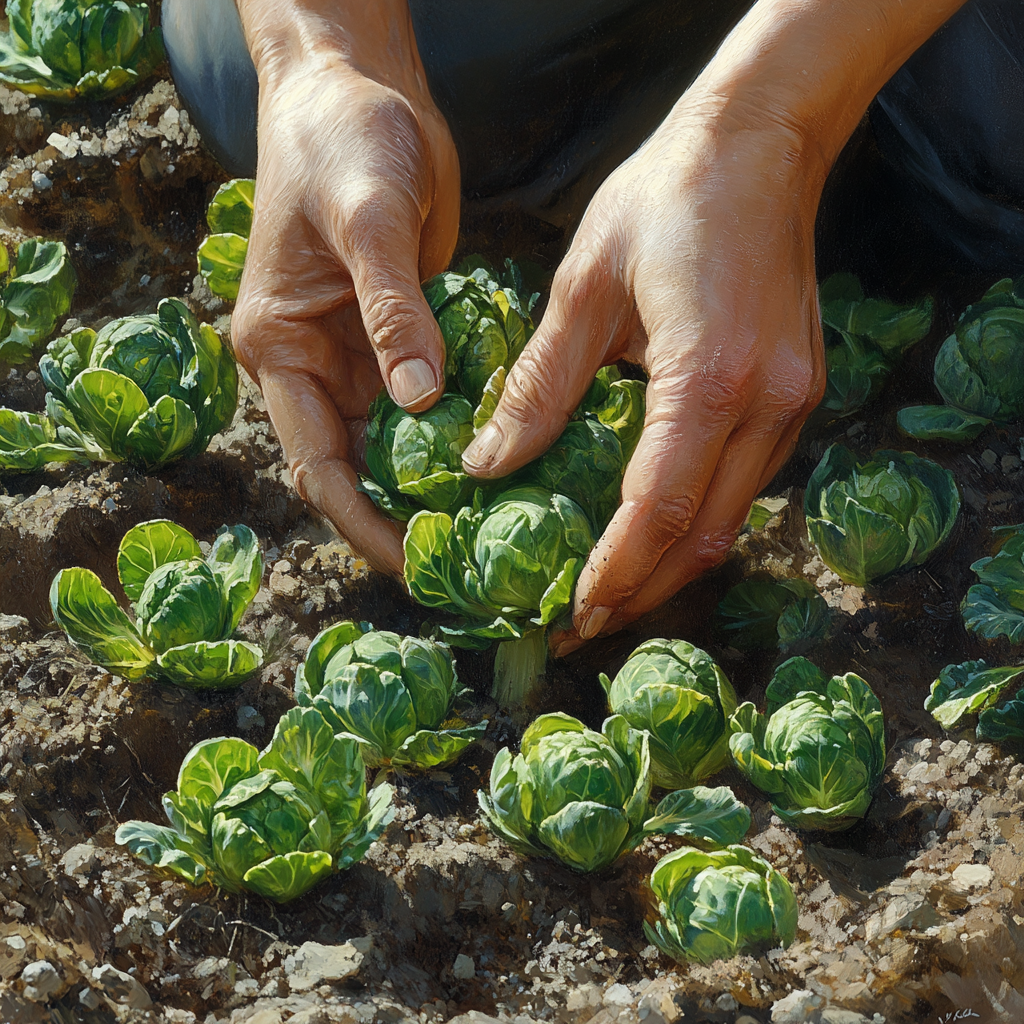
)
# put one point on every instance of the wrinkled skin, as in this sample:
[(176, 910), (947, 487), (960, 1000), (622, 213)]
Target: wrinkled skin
[(695, 258)]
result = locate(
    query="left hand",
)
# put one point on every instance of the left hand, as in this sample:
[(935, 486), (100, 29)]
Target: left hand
[(695, 259)]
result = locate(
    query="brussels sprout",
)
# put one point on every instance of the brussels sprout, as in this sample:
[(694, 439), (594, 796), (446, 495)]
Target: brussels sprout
[(509, 569), (416, 459), (146, 389), (583, 796), (485, 325), (274, 822), (863, 337), (683, 699), (588, 460), (818, 751), (36, 293), (766, 613), (713, 906), (393, 694), (966, 689), (28, 441), (979, 370), (868, 519), (187, 607), (994, 606), (67, 50), (222, 253)]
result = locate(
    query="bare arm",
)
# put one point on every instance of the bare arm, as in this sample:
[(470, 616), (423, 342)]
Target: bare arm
[(696, 258)]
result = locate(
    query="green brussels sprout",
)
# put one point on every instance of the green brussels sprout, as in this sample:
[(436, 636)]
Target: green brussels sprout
[(509, 569), (979, 370), (187, 607), (485, 325), (582, 797), (819, 749), (868, 519), (863, 338), (416, 459), (274, 822), (713, 906), (28, 441), (683, 699), (222, 253), (34, 294), (966, 689), (763, 613), (994, 606), (393, 694), (146, 389), (67, 50), (588, 460)]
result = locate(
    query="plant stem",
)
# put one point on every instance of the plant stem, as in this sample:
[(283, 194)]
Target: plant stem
[(518, 668)]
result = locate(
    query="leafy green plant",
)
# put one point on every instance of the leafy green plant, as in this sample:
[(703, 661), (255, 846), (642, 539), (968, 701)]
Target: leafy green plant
[(274, 822), (397, 696), (146, 389), (715, 905), (967, 689), (507, 569), (221, 254), (819, 749), (67, 50), (760, 614), (684, 700), (416, 460), (1003, 724), (978, 370), (583, 797), (868, 519), (34, 294), (994, 606), (863, 339), (186, 607), (28, 441)]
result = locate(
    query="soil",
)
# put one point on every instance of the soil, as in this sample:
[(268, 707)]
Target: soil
[(912, 916)]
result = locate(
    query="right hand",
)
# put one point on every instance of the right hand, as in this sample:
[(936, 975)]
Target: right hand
[(357, 202)]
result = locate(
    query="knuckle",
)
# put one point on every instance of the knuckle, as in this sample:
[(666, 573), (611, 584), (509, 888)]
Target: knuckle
[(667, 519), (711, 549), (532, 391), (390, 318), (581, 277)]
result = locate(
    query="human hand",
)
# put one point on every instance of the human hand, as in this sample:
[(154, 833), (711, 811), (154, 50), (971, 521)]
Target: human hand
[(695, 259), (357, 202)]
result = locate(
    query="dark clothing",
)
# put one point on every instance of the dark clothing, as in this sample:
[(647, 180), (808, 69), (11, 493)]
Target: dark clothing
[(545, 99)]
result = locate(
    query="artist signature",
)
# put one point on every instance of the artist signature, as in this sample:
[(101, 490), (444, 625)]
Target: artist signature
[(953, 1015)]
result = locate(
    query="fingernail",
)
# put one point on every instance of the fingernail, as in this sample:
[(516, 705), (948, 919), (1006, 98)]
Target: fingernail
[(564, 647), (411, 381), (484, 449), (594, 622)]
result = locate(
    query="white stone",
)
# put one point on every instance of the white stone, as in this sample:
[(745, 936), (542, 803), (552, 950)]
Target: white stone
[(617, 995), (796, 1008), (313, 963), (972, 876), (121, 987), (42, 980), (80, 859)]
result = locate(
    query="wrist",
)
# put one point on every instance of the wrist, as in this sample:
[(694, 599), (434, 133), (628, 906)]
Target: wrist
[(801, 73), (373, 38)]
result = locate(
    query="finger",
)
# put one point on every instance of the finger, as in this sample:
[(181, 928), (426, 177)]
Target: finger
[(689, 419), (583, 322), (316, 446), (379, 241), (750, 459)]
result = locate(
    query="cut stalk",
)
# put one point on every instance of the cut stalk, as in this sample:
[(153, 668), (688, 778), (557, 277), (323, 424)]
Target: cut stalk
[(518, 668)]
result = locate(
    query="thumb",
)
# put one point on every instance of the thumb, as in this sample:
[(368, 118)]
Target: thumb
[(381, 246), (582, 323)]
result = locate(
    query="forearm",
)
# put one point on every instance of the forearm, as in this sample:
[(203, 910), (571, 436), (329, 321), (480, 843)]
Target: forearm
[(810, 68), (373, 37)]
